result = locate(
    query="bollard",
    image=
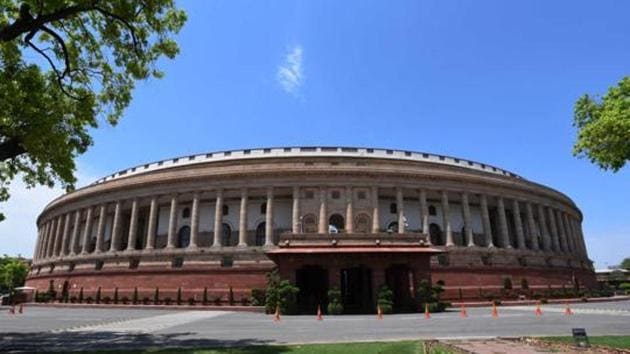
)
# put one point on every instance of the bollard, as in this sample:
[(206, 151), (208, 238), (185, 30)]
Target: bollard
[(319, 313), (276, 316), (463, 313)]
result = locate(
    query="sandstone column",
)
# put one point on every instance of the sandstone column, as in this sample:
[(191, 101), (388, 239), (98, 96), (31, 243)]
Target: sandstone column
[(561, 232), (115, 239), (570, 233), (323, 213), (194, 222), (446, 220), (485, 221), (400, 205), (58, 236), (218, 219), (49, 238), (503, 228), (100, 229), (349, 211), (375, 215), (133, 225), (152, 224), (297, 223), (242, 228), (424, 214), (468, 237), (65, 239), (269, 218), (518, 223), (531, 226), (87, 231), (38, 244), (554, 230), (74, 241), (172, 223), (546, 238)]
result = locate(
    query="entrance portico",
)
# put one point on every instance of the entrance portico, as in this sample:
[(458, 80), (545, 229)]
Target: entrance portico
[(356, 264)]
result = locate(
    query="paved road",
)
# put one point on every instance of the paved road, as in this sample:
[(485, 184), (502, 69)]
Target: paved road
[(61, 329)]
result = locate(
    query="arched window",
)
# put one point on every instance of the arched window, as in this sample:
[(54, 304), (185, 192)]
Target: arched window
[(392, 227), (436, 234), (260, 234), (432, 210), (337, 221), (309, 223), (227, 235), (263, 208), (393, 208), (362, 223), (183, 237), (226, 210), (186, 213)]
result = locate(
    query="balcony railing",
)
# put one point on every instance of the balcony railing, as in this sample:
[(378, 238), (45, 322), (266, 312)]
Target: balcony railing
[(289, 239)]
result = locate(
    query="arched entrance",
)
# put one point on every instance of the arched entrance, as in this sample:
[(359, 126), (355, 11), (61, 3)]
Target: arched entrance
[(226, 238), (183, 237), (261, 233), (337, 221), (356, 290), (436, 235), (313, 284), (399, 279), (362, 223)]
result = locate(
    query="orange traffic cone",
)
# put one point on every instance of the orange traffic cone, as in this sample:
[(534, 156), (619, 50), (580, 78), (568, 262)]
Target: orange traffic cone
[(20, 310), (568, 310), (276, 316), (319, 313), (538, 311), (379, 312), (495, 312), (427, 314), (463, 313)]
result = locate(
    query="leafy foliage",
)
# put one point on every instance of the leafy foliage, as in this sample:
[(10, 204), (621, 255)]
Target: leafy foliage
[(335, 307), (625, 264), (604, 127), (13, 273), (67, 65), (280, 293), (385, 299)]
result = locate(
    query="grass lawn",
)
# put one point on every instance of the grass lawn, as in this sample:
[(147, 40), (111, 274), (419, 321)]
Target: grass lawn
[(401, 347), (622, 342)]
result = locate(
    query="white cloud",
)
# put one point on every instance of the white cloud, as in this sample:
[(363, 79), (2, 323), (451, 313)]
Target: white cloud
[(290, 73), (18, 231)]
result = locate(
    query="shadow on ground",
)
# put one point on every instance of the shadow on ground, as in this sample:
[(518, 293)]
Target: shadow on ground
[(103, 342)]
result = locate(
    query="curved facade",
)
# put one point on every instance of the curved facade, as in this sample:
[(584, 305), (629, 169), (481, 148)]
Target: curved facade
[(218, 222)]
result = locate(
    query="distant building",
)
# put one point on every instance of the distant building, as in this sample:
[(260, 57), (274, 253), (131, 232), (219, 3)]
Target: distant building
[(349, 218), (612, 276)]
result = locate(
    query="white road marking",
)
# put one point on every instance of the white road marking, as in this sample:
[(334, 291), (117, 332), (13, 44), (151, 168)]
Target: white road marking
[(610, 312), (147, 324)]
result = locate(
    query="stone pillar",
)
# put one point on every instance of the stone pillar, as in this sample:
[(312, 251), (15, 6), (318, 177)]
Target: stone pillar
[(323, 213), (133, 225), (172, 223), (561, 232), (38, 244), (400, 205), (485, 221), (424, 214), (115, 239), (242, 228), (531, 226), (218, 219), (100, 229), (468, 236), (375, 216), (269, 218), (446, 220), (65, 239), (46, 248), (554, 230), (74, 241), (297, 223), (51, 238), (87, 231), (546, 238), (194, 222), (58, 236), (568, 235), (349, 211), (518, 223), (582, 240), (152, 224), (503, 228)]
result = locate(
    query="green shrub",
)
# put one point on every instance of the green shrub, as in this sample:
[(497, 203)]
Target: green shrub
[(81, 295), (115, 295), (135, 296), (156, 296), (191, 301), (258, 297), (625, 287), (507, 283), (205, 296), (179, 296), (335, 307), (98, 295), (231, 296), (280, 293), (385, 299), (524, 284)]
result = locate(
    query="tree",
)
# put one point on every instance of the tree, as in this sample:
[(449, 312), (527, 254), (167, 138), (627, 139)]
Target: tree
[(13, 273), (625, 264), (66, 66), (604, 127)]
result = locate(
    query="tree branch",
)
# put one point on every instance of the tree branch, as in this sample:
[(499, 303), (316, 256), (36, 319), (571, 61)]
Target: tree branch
[(11, 148), (131, 29)]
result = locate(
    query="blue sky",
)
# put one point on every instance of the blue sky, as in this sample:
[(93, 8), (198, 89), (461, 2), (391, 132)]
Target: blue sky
[(492, 81)]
